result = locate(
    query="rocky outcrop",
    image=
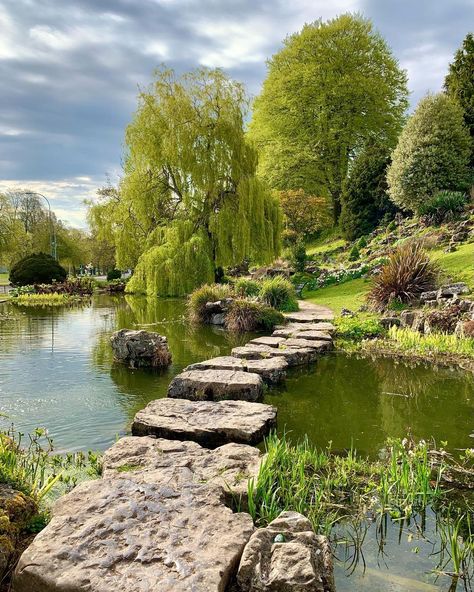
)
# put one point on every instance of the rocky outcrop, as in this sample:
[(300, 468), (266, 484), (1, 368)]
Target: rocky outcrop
[(292, 356), (140, 348), (120, 534), (286, 556), (216, 385), (16, 510), (227, 467), (209, 423), (272, 370)]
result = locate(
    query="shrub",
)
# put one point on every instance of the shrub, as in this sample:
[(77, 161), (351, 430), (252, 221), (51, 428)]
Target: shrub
[(114, 274), (247, 287), (201, 296), (279, 293), (37, 268), (298, 256), (354, 253), (246, 315), (356, 329), (445, 205), (408, 272), (433, 153), (365, 199), (362, 242)]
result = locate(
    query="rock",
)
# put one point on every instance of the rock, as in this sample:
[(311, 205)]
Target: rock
[(322, 326), (217, 319), (227, 467), (216, 385), (407, 318), (117, 534), (286, 556), (311, 335), (270, 341), (318, 346), (292, 356), (432, 295), (459, 237), (453, 290), (140, 348), (272, 370), (450, 249), (388, 322), (208, 423), (303, 316), (345, 312), (16, 510)]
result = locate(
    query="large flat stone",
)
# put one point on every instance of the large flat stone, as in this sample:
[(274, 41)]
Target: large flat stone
[(322, 326), (216, 385), (121, 535), (209, 423), (293, 356), (303, 316), (319, 346), (270, 341), (272, 370), (301, 562), (228, 467), (311, 335)]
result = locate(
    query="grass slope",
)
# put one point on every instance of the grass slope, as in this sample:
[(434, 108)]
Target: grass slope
[(349, 295), (458, 266)]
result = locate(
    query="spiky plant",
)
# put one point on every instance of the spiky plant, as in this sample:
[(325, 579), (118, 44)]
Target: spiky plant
[(408, 273)]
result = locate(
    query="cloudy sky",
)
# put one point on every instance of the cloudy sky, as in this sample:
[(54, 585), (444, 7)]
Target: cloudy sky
[(70, 70)]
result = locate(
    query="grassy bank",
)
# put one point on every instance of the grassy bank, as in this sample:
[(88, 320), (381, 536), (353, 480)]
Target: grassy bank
[(350, 295), (4, 281)]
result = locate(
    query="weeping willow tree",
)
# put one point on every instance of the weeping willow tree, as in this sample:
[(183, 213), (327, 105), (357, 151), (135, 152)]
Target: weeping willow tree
[(190, 201)]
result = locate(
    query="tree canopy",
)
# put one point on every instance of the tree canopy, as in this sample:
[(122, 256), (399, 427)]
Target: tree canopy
[(189, 201), (459, 84), (432, 153), (333, 86)]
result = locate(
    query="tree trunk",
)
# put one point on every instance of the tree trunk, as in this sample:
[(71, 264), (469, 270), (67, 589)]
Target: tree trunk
[(336, 206)]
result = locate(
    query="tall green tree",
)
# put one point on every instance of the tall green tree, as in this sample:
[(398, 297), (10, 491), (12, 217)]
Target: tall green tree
[(432, 153), (190, 201), (333, 86), (365, 199), (459, 84)]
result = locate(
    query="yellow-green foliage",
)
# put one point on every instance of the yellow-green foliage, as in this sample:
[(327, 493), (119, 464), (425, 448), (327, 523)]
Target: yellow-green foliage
[(190, 200), (411, 341), (200, 296), (279, 293), (54, 299)]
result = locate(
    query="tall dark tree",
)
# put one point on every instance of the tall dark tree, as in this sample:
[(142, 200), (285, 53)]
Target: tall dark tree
[(459, 83), (365, 199)]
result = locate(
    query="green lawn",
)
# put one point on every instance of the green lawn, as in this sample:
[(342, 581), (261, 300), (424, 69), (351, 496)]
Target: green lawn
[(459, 266), (4, 279), (349, 295)]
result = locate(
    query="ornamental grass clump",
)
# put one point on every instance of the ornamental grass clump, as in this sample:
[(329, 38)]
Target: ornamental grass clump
[(444, 206), (246, 287), (279, 293), (201, 296), (247, 315), (408, 273)]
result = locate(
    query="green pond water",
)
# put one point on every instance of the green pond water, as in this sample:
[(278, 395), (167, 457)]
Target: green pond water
[(56, 371)]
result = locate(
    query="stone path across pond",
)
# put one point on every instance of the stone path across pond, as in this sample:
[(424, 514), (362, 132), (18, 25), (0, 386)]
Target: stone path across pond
[(160, 517)]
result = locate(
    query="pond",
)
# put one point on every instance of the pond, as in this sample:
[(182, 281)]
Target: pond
[(56, 371)]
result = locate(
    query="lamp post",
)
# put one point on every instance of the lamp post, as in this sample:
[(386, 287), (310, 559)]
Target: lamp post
[(52, 231)]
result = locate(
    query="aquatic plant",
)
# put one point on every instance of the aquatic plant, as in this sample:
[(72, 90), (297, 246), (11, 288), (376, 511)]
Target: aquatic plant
[(247, 315), (53, 299), (279, 293), (409, 341), (408, 272)]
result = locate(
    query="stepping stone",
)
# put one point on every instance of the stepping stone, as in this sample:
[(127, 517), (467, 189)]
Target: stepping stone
[(117, 534), (216, 385), (272, 370), (322, 326), (293, 356), (301, 560), (160, 461), (208, 423), (319, 346), (302, 316), (270, 341), (311, 335)]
